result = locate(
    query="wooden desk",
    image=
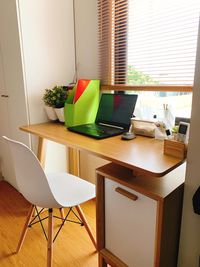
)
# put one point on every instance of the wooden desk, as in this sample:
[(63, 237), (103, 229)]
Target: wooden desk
[(142, 154), (159, 215)]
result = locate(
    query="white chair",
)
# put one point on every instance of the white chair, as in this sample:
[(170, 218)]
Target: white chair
[(57, 190)]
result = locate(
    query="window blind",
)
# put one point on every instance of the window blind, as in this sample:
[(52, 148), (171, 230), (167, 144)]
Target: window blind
[(148, 43)]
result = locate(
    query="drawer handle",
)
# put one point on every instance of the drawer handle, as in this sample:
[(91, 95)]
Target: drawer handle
[(4, 95), (126, 193)]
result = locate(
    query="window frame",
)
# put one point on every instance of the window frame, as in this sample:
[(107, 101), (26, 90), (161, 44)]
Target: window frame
[(160, 88)]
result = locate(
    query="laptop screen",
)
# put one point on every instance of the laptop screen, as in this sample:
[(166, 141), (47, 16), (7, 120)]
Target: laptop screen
[(116, 109)]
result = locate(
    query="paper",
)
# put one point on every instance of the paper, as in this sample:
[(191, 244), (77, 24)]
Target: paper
[(81, 86)]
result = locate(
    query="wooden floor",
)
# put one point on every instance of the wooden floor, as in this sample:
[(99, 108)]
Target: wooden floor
[(72, 247)]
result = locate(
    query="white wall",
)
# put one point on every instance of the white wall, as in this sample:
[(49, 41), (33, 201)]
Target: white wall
[(47, 32), (190, 231), (47, 41), (86, 28)]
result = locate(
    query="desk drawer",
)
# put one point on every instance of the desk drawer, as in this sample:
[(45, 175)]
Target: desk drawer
[(130, 225)]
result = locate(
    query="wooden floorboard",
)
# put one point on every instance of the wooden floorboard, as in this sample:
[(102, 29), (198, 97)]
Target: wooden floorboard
[(72, 248)]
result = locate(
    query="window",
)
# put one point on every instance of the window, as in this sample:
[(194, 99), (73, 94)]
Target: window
[(162, 38), (149, 46), (151, 43)]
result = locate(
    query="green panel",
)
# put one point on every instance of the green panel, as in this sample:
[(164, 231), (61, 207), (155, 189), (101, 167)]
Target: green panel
[(85, 109)]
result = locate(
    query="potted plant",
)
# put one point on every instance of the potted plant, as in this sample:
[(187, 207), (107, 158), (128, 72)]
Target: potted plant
[(59, 96), (55, 98), (49, 104)]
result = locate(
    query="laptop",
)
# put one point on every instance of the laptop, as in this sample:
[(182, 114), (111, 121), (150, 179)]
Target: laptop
[(113, 116)]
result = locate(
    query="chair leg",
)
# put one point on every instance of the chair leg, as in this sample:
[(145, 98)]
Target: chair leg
[(62, 213), (87, 227), (50, 240), (24, 231)]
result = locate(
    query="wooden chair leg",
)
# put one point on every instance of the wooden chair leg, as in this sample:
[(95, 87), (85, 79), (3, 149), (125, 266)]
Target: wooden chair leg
[(62, 213), (50, 239), (25, 228), (87, 227)]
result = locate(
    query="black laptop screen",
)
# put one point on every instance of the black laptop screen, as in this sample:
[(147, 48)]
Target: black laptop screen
[(116, 109)]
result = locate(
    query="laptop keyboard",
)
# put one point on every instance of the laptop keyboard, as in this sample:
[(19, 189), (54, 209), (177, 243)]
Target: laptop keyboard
[(95, 130), (101, 129)]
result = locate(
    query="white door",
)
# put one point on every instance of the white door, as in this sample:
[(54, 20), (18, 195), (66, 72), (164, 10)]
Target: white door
[(13, 111), (6, 166)]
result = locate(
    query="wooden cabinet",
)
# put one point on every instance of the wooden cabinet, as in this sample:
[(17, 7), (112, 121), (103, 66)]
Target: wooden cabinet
[(138, 218)]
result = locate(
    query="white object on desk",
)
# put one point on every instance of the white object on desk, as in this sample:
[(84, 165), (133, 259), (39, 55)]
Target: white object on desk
[(128, 135), (183, 132), (142, 127)]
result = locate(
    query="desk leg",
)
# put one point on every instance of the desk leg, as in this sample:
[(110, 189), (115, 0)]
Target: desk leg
[(73, 161), (41, 153), (101, 261), (100, 218)]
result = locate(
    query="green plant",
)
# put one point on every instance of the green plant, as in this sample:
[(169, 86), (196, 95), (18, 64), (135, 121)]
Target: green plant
[(47, 97), (55, 97), (138, 77), (175, 129)]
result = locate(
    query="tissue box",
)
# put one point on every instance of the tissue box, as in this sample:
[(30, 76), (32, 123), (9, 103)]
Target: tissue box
[(175, 148), (145, 128)]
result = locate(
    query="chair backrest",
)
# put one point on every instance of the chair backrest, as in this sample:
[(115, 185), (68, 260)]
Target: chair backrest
[(31, 179)]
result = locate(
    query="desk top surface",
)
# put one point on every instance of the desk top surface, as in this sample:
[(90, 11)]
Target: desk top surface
[(141, 154)]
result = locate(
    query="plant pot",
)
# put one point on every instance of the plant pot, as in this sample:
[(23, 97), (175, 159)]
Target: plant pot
[(51, 114), (60, 114)]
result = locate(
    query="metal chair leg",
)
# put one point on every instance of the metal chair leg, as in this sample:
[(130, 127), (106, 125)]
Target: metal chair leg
[(50, 240), (87, 227), (25, 228)]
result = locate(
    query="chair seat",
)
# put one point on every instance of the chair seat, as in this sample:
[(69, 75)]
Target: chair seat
[(69, 190)]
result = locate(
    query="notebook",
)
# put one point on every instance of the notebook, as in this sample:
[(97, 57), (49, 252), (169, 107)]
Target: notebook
[(113, 116)]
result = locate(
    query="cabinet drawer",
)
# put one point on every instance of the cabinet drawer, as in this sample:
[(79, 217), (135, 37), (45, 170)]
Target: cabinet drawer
[(130, 225)]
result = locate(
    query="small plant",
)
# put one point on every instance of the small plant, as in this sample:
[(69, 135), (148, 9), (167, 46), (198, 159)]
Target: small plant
[(55, 97), (47, 98), (175, 129)]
